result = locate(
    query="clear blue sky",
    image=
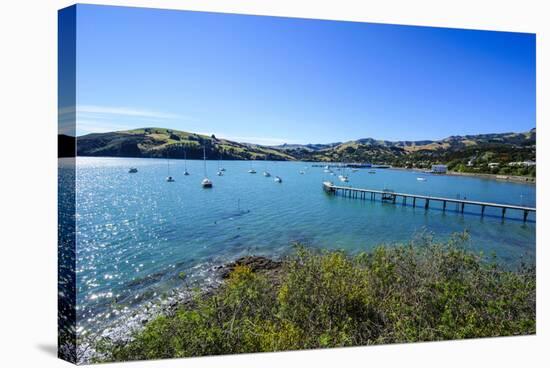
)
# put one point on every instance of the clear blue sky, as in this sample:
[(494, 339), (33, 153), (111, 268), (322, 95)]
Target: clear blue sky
[(272, 80)]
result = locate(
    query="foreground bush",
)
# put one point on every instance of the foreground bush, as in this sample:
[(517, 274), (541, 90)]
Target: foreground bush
[(422, 291)]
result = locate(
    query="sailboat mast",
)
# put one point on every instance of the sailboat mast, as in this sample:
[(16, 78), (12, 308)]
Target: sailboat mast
[(204, 159)]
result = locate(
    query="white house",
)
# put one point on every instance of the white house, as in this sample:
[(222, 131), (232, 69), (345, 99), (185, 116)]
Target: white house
[(493, 165), (439, 169), (523, 163)]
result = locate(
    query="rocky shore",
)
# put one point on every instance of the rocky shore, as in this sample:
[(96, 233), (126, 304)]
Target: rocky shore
[(121, 331), (260, 264)]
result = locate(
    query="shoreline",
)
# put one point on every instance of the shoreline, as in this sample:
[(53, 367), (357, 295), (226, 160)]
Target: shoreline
[(508, 178), (289, 274), (121, 330), (495, 177)]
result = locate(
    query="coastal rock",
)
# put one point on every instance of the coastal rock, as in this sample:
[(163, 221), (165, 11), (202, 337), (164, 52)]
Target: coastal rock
[(255, 263)]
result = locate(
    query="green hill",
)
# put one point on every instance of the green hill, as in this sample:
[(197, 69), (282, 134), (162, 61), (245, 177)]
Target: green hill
[(161, 142), (470, 153)]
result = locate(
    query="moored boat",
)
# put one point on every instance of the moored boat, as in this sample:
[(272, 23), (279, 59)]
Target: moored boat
[(206, 183)]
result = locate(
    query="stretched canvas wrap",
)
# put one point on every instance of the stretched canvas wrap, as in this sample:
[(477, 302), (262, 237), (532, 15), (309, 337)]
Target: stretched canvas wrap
[(237, 184)]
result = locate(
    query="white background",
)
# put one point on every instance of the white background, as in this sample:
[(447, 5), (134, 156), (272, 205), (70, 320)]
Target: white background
[(28, 174)]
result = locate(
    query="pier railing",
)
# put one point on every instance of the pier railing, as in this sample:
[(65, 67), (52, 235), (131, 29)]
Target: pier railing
[(392, 197)]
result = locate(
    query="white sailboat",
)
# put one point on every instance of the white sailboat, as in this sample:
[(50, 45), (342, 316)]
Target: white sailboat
[(206, 183), (169, 178), (185, 172), (220, 169), (251, 171), (278, 179), (266, 173), (343, 177)]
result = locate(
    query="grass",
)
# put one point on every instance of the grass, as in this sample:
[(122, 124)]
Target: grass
[(421, 291)]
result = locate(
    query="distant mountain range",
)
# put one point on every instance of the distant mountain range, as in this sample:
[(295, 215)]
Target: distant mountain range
[(520, 146), (161, 142)]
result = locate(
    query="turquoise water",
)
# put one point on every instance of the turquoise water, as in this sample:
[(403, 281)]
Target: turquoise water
[(137, 232)]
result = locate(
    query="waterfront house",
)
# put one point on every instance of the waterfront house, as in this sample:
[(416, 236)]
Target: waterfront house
[(527, 163), (439, 169)]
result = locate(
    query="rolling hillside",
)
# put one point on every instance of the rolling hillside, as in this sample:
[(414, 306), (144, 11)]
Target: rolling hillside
[(160, 142), (505, 146), (461, 153)]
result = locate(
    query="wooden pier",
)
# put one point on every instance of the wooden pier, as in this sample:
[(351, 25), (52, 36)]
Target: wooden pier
[(392, 197)]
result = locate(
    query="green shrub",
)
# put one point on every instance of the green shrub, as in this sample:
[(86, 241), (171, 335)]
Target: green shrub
[(422, 291)]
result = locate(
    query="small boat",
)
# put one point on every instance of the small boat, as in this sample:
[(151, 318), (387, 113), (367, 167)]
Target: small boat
[(169, 178), (252, 171), (266, 173), (372, 171), (331, 173), (354, 170), (421, 179), (343, 178), (206, 183), (302, 172), (133, 170), (327, 170), (220, 168), (278, 179), (185, 172)]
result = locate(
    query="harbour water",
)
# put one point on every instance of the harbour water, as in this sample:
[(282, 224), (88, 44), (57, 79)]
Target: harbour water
[(138, 234)]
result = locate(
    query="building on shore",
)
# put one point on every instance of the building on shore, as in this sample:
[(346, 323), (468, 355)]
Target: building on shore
[(439, 169), (527, 163)]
